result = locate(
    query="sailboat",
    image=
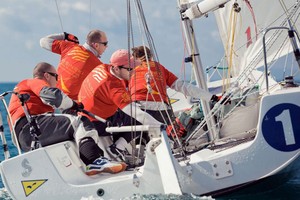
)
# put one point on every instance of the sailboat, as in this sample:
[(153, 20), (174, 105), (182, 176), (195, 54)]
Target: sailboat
[(254, 139)]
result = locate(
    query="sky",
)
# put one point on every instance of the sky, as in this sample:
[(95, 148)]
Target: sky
[(23, 23)]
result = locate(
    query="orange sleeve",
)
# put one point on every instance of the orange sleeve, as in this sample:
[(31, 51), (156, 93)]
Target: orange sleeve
[(169, 76), (60, 46)]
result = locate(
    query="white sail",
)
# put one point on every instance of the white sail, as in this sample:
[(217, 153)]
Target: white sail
[(242, 24)]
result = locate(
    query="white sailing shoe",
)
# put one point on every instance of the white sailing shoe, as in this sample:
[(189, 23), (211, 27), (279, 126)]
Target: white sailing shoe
[(102, 164)]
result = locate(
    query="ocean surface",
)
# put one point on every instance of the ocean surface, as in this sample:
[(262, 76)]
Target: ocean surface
[(289, 190)]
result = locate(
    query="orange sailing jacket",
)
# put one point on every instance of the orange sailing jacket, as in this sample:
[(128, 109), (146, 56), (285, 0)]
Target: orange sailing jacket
[(102, 93), (75, 64), (34, 104), (159, 78)]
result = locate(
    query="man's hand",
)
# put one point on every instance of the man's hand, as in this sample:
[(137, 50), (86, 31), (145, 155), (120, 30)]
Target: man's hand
[(71, 37), (77, 106), (216, 98), (180, 131)]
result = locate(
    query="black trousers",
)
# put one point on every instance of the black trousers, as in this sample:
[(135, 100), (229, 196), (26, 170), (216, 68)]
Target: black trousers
[(162, 116), (52, 129), (120, 119)]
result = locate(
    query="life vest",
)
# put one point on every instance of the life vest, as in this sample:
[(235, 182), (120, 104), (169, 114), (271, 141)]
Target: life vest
[(34, 104)]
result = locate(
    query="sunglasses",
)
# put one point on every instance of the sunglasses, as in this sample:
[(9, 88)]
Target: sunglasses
[(104, 43), (128, 69), (53, 74)]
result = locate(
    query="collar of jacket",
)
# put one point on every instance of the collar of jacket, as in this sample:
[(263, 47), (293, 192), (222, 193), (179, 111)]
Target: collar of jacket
[(88, 47)]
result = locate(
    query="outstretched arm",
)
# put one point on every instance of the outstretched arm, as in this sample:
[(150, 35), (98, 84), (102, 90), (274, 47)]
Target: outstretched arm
[(139, 115), (46, 42), (191, 90)]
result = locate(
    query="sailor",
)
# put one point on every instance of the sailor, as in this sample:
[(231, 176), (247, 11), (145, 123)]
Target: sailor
[(76, 61), (54, 128), (104, 91), (148, 87)]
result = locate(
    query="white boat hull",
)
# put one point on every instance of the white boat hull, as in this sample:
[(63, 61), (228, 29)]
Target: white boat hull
[(56, 172)]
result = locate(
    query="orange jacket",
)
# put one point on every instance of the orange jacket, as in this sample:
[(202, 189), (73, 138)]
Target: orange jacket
[(34, 104), (75, 64), (102, 93), (160, 78)]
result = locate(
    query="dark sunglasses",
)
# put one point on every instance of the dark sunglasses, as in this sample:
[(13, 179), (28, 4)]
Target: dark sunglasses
[(53, 74), (104, 43), (128, 69)]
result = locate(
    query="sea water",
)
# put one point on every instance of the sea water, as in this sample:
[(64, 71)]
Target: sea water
[(289, 190)]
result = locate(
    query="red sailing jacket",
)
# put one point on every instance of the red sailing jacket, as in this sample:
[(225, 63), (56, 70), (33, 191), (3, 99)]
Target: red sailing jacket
[(102, 93), (75, 64), (34, 104), (138, 86)]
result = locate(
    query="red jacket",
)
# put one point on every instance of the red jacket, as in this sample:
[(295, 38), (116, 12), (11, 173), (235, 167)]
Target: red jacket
[(160, 78), (102, 93), (75, 64), (34, 104)]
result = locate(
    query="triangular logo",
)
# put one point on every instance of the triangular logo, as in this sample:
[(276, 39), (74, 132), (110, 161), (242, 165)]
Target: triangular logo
[(32, 185), (173, 100)]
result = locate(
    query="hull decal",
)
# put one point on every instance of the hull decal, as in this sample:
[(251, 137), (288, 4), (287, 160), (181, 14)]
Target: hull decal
[(31, 185)]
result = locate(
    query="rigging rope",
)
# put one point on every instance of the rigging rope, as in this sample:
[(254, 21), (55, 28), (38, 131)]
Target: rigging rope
[(149, 40), (90, 19), (244, 75), (230, 44), (144, 32), (61, 24), (285, 9)]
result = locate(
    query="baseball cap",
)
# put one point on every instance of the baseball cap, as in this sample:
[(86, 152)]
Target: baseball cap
[(120, 58)]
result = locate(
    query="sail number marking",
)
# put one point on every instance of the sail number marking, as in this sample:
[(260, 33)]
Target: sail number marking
[(248, 34), (281, 127), (285, 119)]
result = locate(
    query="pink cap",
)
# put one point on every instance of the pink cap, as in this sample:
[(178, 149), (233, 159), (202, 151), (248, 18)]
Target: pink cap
[(120, 58)]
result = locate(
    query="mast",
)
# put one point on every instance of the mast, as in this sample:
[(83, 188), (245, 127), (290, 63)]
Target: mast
[(196, 61)]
